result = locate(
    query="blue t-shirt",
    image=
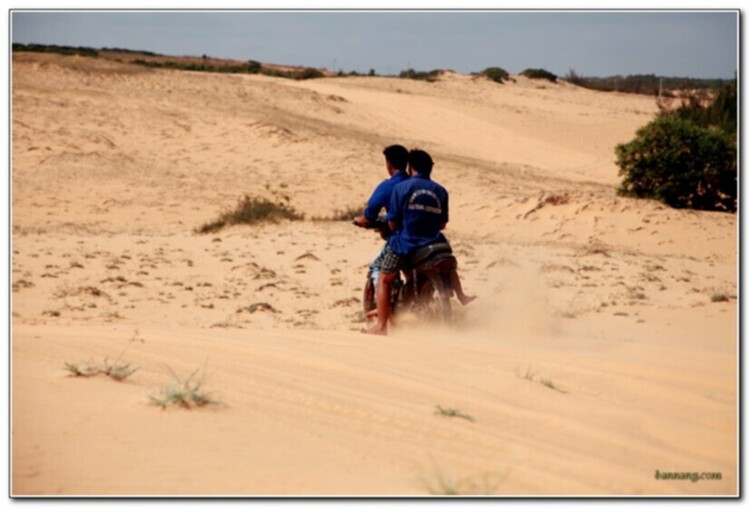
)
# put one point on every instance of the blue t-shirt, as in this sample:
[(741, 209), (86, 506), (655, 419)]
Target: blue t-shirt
[(381, 196), (419, 207)]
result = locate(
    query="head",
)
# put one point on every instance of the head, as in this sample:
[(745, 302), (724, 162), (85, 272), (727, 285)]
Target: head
[(420, 162), (396, 157)]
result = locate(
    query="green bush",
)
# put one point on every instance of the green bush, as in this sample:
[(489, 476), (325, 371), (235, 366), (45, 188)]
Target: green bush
[(54, 48), (309, 73), (539, 74), (680, 163), (497, 74), (253, 67), (720, 112), (645, 84), (430, 76), (573, 77)]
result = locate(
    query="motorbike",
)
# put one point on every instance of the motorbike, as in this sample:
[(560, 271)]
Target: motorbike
[(423, 286)]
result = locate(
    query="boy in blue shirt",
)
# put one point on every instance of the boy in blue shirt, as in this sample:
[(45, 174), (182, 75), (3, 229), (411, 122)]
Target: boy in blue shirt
[(396, 160), (417, 213)]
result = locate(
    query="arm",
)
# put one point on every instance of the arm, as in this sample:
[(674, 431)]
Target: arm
[(394, 210), (378, 200), (445, 211)]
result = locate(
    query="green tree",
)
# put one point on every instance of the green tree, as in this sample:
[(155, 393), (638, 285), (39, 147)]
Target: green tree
[(497, 74), (540, 74), (678, 162)]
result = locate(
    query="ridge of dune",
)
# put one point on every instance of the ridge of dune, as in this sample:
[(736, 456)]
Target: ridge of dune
[(602, 348)]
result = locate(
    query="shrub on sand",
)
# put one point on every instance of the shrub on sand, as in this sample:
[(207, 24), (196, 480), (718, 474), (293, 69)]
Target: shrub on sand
[(117, 371), (251, 210), (344, 214), (539, 74), (430, 76), (496, 74), (441, 484), (452, 413), (680, 163), (186, 393), (82, 369)]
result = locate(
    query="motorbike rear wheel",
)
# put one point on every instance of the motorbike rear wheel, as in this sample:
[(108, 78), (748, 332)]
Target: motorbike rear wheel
[(433, 301)]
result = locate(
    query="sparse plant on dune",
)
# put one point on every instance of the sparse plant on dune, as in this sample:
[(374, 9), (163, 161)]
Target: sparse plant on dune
[(452, 413), (441, 484), (539, 74), (309, 73), (187, 393), (529, 375), (634, 294), (83, 369), (552, 386), (719, 297), (496, 74), (251, 210), (430, 76), (117, 371), (343, 214)]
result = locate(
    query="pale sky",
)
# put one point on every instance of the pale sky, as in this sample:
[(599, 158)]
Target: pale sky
[(701, 44)]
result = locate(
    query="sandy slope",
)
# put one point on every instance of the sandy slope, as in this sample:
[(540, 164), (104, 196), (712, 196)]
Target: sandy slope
[(593, 358)]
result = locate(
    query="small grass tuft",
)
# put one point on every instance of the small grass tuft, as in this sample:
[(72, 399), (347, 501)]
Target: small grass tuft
[(118, 372), (528, 375), (474, 485), (719, 297), (82, 369), (251, 210), (186, 393), (634, 294), (452, 413), (531, 376), (552, 386), (345, 214)]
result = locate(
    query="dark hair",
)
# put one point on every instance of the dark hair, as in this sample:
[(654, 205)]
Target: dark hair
[(397, 155), (421, 162)]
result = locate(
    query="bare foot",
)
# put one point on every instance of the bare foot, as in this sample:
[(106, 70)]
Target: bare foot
[(375, 330), (372, 314), (465, 299)]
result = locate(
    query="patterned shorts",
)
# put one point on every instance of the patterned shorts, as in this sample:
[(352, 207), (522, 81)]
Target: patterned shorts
[(387, 262)]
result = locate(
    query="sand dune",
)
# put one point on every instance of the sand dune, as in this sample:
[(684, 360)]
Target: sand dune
[(594, 357)]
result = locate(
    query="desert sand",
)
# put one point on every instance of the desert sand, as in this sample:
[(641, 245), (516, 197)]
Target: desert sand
[(594, 357)]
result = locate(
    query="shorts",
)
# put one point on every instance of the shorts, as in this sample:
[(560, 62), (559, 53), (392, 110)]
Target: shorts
[(387, 261)]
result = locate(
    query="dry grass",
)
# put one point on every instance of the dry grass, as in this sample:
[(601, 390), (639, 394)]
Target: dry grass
[(452, 413), (117, 371), (186, 393), (344, 214), (531, 376), (251, 210), (441, 484)]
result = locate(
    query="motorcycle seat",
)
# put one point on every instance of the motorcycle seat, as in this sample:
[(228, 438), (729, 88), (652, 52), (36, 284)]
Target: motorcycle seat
[(439, 250)]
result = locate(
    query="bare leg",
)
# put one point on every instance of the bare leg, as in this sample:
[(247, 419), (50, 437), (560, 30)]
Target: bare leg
[(383, 298), (456, 283)]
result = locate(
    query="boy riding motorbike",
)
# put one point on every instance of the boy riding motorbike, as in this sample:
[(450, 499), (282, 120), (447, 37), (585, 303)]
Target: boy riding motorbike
[(417, 214)]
